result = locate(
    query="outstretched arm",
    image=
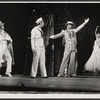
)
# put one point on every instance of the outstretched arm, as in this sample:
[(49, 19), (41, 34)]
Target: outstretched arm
[(57, 35), (82, 25)]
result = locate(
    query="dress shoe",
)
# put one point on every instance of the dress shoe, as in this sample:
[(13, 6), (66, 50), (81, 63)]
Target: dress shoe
[(73, 75), (8, 74), (45, 77), (32, 77), (96, 73), (60, 75)]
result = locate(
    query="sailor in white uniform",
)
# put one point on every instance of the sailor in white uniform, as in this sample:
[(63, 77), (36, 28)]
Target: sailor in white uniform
[(37, 45)]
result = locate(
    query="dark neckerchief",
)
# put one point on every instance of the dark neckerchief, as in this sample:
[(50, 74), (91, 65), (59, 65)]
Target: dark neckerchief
[(40, 32)]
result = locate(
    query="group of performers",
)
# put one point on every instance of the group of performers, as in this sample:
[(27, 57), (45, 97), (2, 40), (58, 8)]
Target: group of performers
[(69, 61)]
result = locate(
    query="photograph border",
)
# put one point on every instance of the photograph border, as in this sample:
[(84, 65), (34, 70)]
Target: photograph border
[(51, 96)]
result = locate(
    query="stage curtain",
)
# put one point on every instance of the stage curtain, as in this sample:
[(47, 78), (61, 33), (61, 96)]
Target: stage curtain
[(49, 30)]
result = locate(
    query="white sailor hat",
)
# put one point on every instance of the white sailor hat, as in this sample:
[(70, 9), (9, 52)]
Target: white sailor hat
[(1, 23), (69, 22), (39, 20)]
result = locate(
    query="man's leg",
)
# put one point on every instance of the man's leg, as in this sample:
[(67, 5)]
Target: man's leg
[(1, 55), (42, 63), (9, 62), (35, 62), (64, 62), (72, 63)]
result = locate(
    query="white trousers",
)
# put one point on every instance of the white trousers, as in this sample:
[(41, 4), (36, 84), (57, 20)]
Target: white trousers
[(72, 63), (5, 52), (39, 58)]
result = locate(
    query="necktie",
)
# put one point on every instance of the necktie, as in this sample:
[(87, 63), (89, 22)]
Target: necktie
[(69, 33)]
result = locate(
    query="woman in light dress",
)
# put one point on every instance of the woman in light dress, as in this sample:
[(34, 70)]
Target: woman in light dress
[(93, 64)]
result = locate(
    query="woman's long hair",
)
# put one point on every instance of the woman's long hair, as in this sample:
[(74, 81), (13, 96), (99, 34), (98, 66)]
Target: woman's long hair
[(97, 31)]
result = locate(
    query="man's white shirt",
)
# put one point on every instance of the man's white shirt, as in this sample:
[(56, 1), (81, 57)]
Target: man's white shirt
[(36, 37)]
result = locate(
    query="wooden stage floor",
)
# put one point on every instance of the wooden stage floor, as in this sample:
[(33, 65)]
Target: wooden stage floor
[(65, 84)]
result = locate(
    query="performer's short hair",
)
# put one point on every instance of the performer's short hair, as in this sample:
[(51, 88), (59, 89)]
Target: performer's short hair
[(1, 24), (97, 30)]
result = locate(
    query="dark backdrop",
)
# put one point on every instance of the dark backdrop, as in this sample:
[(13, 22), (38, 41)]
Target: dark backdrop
[(16, 17)]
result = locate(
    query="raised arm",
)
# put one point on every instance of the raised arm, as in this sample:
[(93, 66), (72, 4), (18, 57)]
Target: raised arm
[(82, 25), (57, 35)]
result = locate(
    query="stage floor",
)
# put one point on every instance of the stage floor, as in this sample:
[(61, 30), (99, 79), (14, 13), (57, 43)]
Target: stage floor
[(56, 84)]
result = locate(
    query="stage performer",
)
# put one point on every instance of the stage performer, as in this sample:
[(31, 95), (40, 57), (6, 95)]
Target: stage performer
[(93, 63), (6, 50), (69, 56), (38, 49)]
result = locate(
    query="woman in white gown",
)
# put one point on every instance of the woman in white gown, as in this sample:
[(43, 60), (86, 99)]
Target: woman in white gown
[(93, 64)]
